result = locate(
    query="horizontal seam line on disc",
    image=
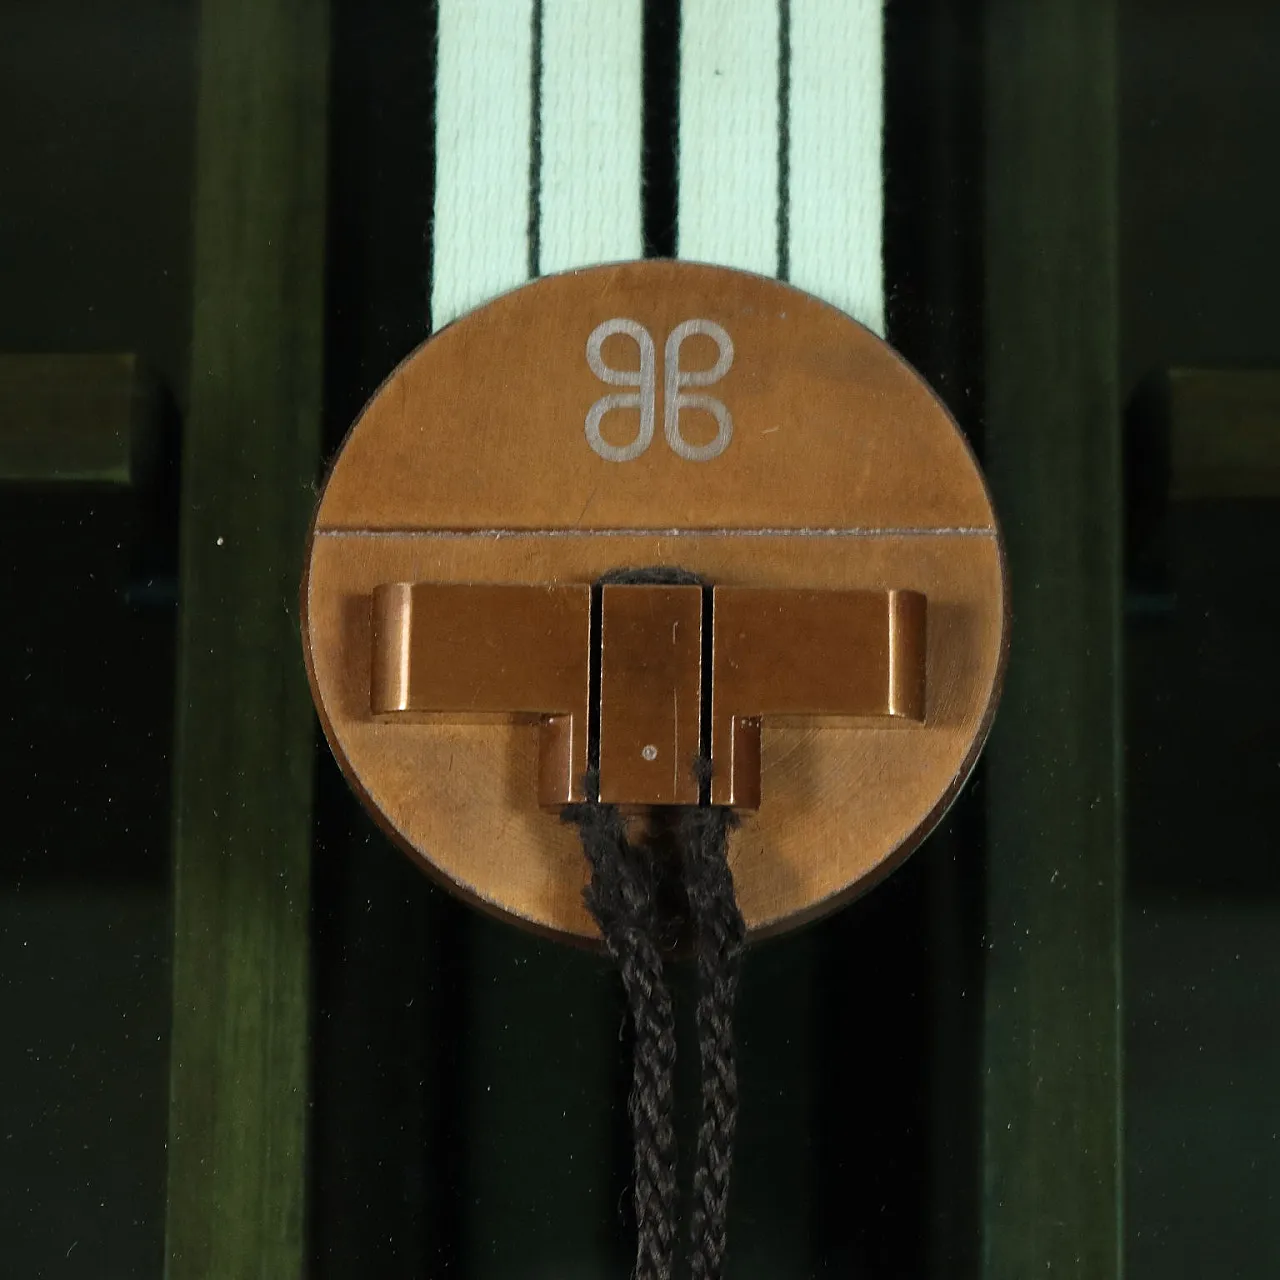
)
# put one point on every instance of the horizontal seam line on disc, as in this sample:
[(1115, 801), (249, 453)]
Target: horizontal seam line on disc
[(955, 531)]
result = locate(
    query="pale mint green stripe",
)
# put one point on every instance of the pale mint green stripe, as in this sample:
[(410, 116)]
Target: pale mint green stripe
[(484, 96), (728, 165), (591, 132), (836, 183)]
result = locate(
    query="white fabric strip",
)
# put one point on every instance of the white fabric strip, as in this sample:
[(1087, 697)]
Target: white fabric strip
[(827, 206), (591, 133), (484, 96), (728, 163), (836, 172)]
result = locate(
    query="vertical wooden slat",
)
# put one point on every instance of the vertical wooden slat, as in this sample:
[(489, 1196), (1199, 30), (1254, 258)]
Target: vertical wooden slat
[(1052, 1049), (243, 770)]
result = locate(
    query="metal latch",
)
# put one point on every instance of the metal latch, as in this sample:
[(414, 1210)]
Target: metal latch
[(642, 681)]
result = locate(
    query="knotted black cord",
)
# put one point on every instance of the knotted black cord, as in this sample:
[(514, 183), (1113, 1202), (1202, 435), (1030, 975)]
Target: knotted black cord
[(626, 900)]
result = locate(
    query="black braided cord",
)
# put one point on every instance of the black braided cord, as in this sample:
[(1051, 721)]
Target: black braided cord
[(622, 897), (719, 938), (625, 899)]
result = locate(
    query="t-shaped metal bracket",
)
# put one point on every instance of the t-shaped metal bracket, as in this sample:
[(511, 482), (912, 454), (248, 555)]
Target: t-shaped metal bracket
[(645, 680)]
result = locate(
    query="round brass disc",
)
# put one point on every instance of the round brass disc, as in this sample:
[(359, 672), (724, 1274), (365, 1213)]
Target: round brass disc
[(474, 463)]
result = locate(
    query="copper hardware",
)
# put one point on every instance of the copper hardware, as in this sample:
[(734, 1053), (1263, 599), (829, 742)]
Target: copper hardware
[(471, 653), (650, 694), (448, 651), (475, 464), (840, 655)]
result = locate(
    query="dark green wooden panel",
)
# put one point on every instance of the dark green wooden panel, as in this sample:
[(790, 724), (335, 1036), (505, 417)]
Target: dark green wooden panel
[(91, 419), (243, 772), (1052, 1046), (545, 1136)]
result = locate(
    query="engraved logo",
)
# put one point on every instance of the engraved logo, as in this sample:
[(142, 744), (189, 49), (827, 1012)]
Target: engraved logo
[(644, 397)]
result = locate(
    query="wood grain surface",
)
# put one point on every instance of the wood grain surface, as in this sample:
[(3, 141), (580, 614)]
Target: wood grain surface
[(244, 761), (1052, 1077)]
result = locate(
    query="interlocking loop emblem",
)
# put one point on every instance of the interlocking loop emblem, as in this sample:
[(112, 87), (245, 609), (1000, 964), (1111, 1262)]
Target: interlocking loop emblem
[(675, 398), (643, 399)]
